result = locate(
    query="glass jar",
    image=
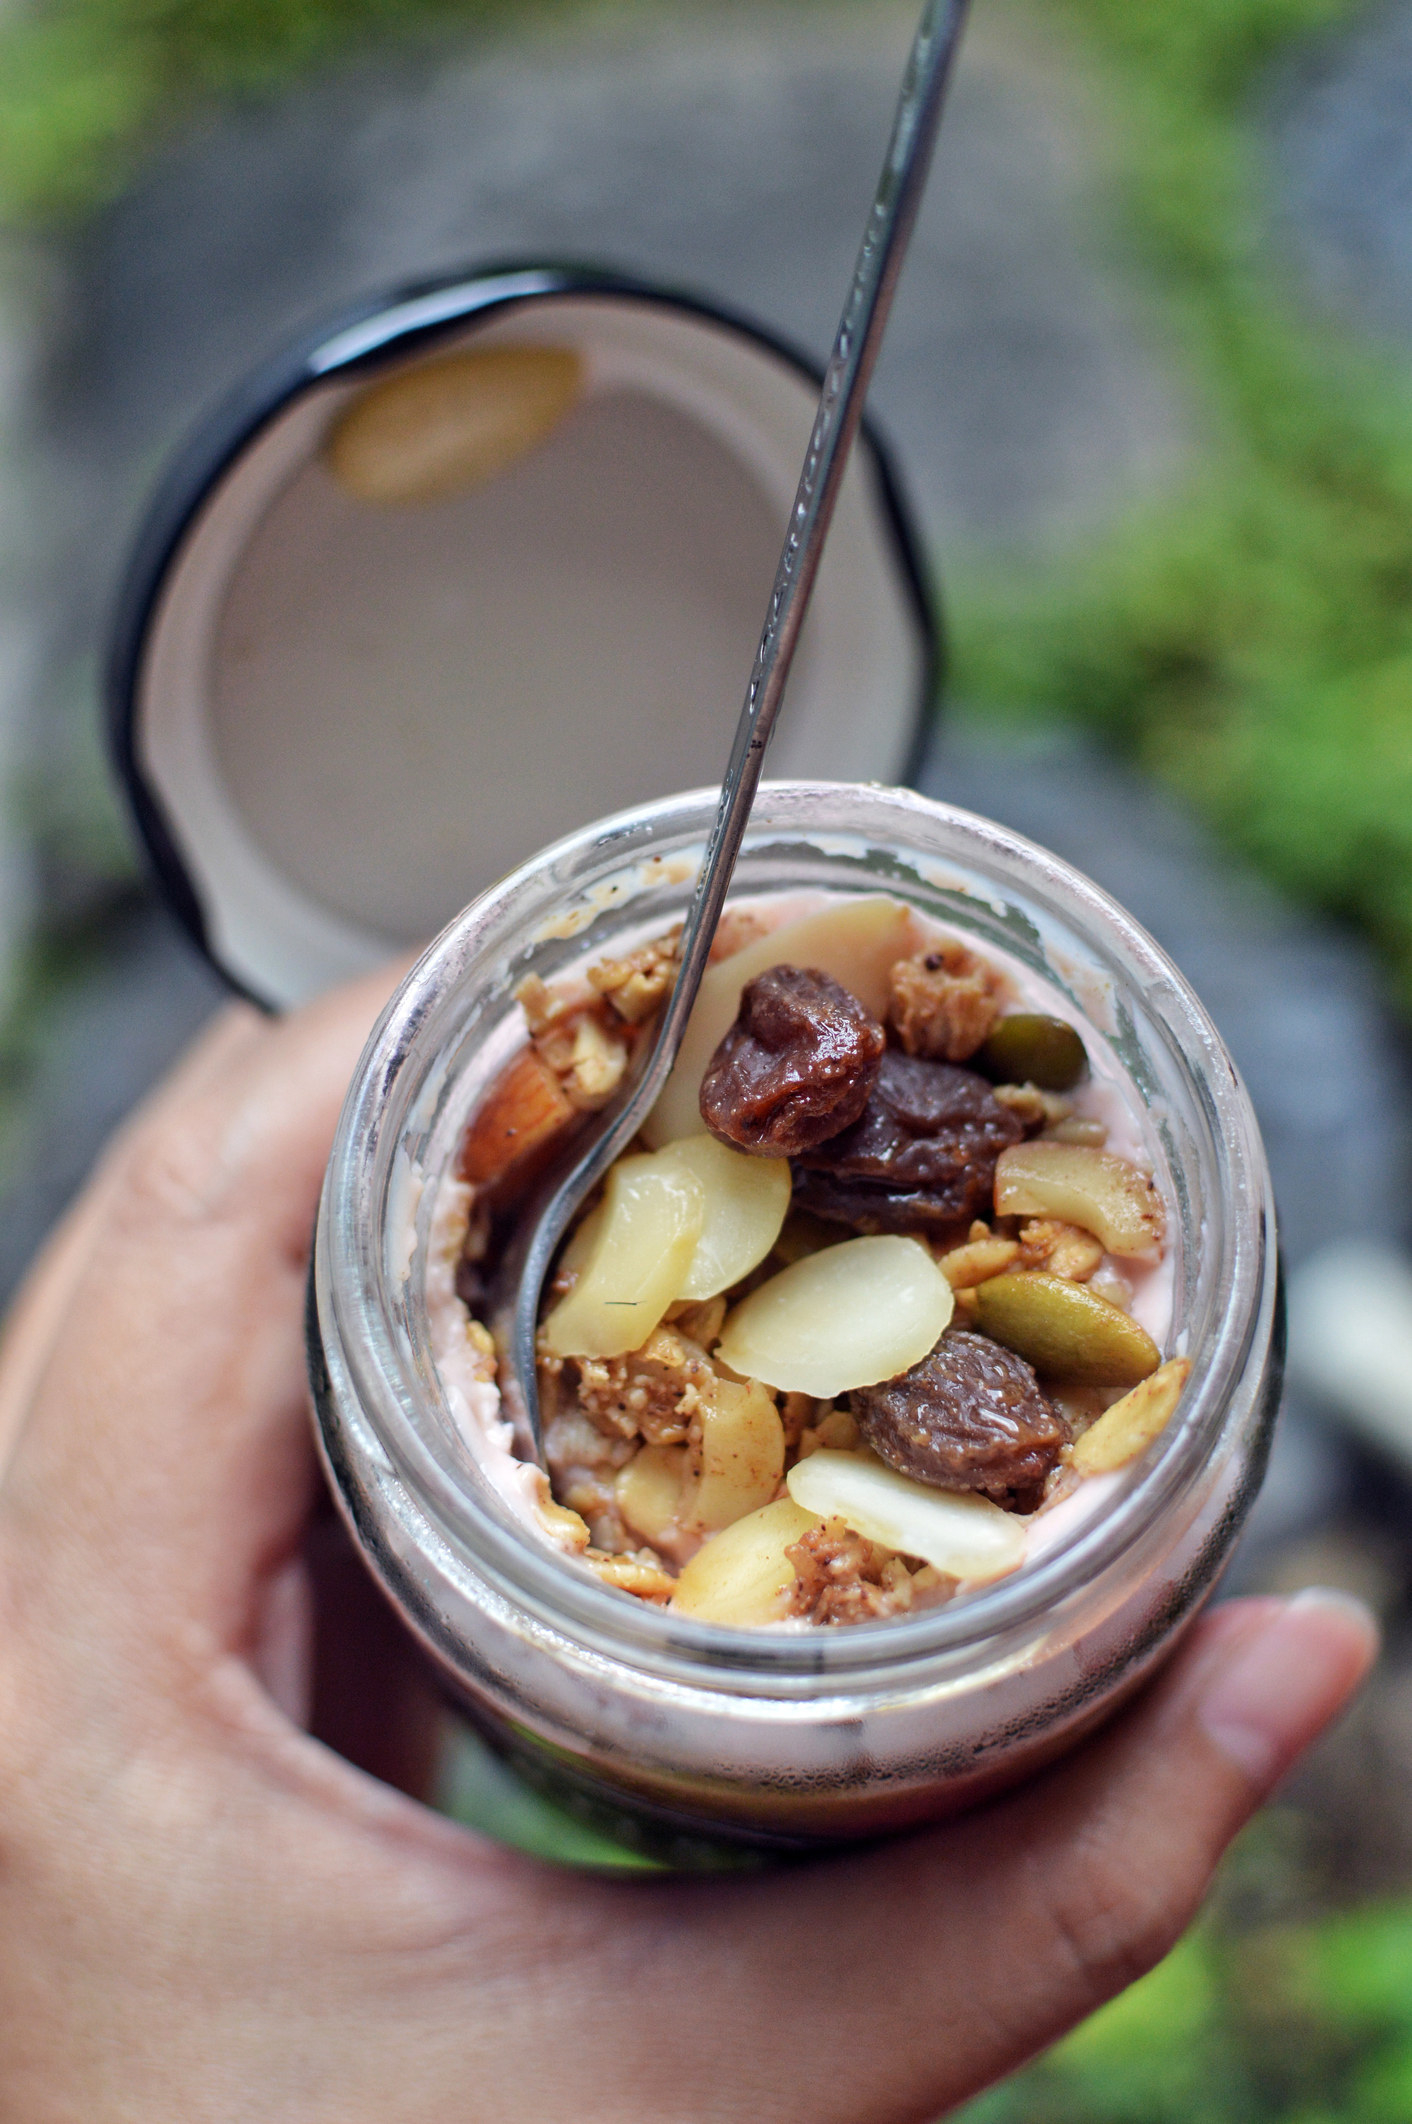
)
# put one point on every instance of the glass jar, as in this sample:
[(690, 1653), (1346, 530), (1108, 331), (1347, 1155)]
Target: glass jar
[(684, 1736)]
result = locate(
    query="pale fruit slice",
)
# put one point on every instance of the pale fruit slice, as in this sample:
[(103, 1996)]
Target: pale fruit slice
[(1130, 1425), (857, 941), (452, 423), (846, 1317), (742, 1457), (959, 1533), (652, 1217), (741, 1576), (1106, 1194), (648, 1490), (746, 1202)]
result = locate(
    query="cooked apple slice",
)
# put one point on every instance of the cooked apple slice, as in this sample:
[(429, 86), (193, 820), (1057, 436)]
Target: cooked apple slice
[(857, 941), (1108, 1195), (652, 1217), (845, 1317), (959, 1533), (746, 1201)]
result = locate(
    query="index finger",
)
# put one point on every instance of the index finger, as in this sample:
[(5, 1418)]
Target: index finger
[(165, 1451)]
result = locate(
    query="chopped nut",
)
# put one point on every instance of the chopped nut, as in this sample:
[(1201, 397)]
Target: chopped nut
[(700, 1322), (842, 1578), (642, 1574), (1080, 1128), (797, 1414), (654, 1393), (596, 1068), (966, 1266), (541, 1006), (1063, 1249), (1035, 1108), (1110, 1284), (943, 1003), (637, 984), (835, 1431)]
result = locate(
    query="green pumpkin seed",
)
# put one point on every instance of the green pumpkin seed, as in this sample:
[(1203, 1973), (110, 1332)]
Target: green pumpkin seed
[(1029, 1048), (1065, 1330)]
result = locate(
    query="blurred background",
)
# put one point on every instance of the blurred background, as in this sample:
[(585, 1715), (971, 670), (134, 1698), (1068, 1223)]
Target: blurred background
[(1150, 384)]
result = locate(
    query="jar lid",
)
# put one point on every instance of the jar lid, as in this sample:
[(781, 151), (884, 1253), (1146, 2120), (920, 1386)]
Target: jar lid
[(466, 568)]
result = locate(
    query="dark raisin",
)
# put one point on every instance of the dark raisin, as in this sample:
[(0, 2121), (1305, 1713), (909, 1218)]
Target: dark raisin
[(795, 1068), (921, 1158), (971, 1416)]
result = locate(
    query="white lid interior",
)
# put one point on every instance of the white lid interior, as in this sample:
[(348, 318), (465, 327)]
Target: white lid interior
[(356, 717)]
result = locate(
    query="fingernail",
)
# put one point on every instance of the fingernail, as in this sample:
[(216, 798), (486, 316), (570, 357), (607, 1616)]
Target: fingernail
[(1285, 1681)]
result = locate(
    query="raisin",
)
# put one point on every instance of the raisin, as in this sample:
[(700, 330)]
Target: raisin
[(921, 1157), (795, 1068), (971, 1416)]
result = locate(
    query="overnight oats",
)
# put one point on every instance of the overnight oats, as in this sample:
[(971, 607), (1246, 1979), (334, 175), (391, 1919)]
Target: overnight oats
[(905, 1384), (874, 1302)]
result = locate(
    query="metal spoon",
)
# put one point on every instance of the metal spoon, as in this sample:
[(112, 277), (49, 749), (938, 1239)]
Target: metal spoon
[(850, 366)]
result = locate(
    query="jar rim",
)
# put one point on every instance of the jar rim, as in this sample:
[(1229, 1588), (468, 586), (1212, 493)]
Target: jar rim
[(350, 1280)]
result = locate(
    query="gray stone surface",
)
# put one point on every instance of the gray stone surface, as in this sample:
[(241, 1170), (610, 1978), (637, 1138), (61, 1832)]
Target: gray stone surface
[(1341, 130), (106, 1036), (732, 151)]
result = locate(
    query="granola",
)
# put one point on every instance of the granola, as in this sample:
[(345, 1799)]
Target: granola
[(865, 1344)]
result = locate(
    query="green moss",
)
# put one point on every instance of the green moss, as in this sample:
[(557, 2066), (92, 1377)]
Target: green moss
[(1250, 636), (1284, 2023), (87, 86)]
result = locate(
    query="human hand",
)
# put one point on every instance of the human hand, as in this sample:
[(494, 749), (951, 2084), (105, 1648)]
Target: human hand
[(206, 1915)]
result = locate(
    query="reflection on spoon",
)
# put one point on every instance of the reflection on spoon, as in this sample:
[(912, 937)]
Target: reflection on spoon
[(452, 423)]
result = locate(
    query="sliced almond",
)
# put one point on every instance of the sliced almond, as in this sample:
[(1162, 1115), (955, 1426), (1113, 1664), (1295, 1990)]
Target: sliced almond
[(652, 1216), (745, 1204), (846, 1317), (525, 1107), (961, 1534), (451, 423), (648, 1490), (742, 1457), (1130, 1425), (741, 1576)]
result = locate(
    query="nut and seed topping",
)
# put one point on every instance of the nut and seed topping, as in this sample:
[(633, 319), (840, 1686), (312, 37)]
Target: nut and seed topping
[(795, 1068), (920, 1159), (943, 1003), (971, 1416)]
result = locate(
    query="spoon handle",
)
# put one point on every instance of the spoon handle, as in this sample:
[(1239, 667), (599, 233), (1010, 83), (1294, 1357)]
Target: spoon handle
[(845, 386)]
